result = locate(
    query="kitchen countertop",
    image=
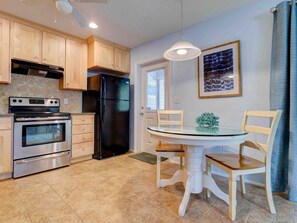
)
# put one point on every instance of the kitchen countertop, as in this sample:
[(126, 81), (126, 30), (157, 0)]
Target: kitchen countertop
[(6, 115), (84, 113)]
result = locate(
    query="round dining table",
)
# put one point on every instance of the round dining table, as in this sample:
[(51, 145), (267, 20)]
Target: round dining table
[(196, 141)]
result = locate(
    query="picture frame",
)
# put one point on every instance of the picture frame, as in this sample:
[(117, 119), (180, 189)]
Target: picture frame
[(219, 71)]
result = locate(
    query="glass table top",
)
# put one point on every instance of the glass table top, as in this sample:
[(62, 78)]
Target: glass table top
[(197, 131)]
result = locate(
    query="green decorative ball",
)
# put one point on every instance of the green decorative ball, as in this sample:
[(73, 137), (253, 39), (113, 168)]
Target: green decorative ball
[(207, 120)]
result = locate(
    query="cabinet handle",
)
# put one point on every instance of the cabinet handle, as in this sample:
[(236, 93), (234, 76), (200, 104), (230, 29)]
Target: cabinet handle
[(36, 58), (67, 84), (83, 148), (44, 59)]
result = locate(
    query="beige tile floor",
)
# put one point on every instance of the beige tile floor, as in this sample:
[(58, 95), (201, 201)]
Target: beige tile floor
[(122, 190)]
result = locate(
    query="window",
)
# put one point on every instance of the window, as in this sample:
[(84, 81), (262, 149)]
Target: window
[(156, 89)]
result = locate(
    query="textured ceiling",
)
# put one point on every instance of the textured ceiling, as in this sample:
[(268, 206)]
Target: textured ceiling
[(127, 22)]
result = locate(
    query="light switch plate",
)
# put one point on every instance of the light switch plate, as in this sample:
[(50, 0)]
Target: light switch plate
[(66, 101)]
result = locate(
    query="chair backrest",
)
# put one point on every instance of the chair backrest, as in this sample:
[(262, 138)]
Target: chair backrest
[(268, 131), (161, 114)]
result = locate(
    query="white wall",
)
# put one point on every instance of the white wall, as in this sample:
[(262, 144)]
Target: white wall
[(252, 25)]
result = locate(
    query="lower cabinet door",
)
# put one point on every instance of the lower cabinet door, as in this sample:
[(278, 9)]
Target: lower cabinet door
[(5, 151), (82, 149)]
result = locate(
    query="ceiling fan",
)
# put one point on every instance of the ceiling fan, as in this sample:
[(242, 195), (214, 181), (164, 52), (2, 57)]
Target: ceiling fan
[(66, 7)]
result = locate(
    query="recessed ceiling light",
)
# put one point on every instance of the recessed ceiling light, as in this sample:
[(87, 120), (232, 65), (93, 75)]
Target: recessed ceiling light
[(93, 25)]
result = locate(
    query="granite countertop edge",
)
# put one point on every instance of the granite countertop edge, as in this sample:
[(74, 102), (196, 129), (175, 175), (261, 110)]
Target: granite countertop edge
[(83, 113), (6, 115)]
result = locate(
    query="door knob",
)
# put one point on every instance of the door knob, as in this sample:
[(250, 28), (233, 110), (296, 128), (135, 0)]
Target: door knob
[(141, 113)]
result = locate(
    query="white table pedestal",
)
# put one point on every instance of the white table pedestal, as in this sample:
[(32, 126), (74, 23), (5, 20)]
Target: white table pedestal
[(194, 178)]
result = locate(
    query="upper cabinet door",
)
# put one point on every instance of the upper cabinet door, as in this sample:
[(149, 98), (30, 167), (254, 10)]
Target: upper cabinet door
[(4, 52), (25, 42), (53, 49), (75, 75), (104, 55), (122, 60)]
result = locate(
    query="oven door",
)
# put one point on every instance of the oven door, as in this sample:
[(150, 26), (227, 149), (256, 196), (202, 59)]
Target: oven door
[(41, 137)]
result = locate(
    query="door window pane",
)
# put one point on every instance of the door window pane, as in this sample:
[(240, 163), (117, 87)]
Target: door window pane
[(156, 89)]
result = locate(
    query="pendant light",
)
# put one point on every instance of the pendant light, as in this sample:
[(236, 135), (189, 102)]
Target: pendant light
[(182, 50)]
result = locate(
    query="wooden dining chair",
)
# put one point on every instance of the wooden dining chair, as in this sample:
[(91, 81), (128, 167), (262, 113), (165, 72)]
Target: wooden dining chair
[(240, 165), (164, 149)]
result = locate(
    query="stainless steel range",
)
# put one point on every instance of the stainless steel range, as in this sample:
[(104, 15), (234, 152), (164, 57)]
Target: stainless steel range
[(42, 135)]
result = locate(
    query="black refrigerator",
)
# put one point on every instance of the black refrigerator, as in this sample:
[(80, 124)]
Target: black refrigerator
[(108, 96)]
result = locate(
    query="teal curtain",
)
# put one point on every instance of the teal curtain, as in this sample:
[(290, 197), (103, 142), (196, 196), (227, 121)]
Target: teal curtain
[(283, 95)]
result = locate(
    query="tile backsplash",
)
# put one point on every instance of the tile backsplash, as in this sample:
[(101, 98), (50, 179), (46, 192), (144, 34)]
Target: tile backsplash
[(30, 86)]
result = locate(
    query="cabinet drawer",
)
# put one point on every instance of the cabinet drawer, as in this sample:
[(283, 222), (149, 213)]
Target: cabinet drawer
[(82, 149), (78, 129), (82, 119), (87, 137), (5, 123)]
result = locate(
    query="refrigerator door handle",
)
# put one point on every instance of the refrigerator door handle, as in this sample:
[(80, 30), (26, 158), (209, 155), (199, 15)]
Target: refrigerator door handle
[(103, 111), (103, 87)]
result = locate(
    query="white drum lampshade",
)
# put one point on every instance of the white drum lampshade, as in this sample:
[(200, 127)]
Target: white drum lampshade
[(182, 50)]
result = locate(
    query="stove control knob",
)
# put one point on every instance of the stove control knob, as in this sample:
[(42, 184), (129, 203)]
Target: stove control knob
[(20, 101), (56, 102), (14, 100), (52, 102)]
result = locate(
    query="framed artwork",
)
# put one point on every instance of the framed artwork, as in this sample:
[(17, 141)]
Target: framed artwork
[(219, 71)]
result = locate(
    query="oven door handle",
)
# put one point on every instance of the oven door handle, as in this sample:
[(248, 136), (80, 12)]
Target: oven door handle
[(52, 156), (43, 119)]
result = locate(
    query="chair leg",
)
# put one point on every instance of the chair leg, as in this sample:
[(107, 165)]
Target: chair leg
[(158, 170), (208, 172), (269, 192), (242, 184), (232, 197), (181, 162)]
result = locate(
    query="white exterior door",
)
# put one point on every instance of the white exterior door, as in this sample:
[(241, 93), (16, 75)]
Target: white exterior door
[(155, 81)]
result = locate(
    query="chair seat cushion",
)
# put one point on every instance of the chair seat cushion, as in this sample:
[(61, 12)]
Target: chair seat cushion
[(178, 148), (235, 161)]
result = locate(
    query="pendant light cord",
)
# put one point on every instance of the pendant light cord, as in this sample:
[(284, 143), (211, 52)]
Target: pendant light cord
[(181, 19)]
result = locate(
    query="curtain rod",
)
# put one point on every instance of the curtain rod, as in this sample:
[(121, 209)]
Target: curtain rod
[(274, 9)]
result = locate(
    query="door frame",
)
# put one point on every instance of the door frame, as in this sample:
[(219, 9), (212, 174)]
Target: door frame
[(138, 96)]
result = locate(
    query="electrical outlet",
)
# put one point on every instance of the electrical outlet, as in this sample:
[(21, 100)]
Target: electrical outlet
[(66, 101)]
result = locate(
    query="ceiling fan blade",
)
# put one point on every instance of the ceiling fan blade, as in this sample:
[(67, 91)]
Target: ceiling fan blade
[(79, 18), (91, 1)]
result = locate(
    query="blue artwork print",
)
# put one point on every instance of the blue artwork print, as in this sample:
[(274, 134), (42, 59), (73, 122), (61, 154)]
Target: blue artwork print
[(218, 71)]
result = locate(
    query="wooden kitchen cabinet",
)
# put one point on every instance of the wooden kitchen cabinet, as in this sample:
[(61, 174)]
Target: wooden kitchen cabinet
[(76, 71), (82, 136), (122, 60), (107, 56), (103, 55), (53, 49), (4, 52), (5, 145), (25, 42)]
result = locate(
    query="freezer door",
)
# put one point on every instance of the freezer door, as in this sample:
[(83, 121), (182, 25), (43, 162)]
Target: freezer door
[(89, 101), (114, 127), (114, 88)]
